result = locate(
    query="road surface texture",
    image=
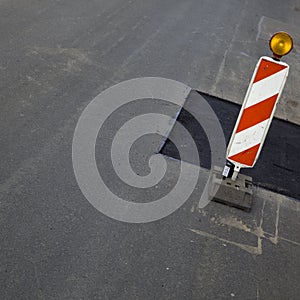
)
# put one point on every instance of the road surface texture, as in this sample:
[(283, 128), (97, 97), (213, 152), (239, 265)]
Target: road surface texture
[(55, 57)]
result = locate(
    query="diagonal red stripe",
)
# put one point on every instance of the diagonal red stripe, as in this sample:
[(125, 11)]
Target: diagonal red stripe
[(257, 113), (266, 69), (246, 157)]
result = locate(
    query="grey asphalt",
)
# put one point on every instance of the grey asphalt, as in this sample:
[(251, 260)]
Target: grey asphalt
[(55, 57)]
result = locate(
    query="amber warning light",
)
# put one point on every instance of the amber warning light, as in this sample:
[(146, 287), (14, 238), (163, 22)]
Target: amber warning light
[(281, 43)]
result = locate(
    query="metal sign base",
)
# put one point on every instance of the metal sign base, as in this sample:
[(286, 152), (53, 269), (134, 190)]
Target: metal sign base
[(236, 193)]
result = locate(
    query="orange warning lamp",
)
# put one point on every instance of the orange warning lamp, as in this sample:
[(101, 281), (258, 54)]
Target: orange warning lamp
[(281, 43)]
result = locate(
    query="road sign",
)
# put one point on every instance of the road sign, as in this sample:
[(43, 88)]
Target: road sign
[(257, 112)]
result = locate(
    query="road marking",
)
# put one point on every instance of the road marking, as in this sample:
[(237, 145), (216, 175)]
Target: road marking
[(233, 222)]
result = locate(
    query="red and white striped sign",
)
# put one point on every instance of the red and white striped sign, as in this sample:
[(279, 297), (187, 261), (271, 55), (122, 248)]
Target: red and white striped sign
[(257, 112)]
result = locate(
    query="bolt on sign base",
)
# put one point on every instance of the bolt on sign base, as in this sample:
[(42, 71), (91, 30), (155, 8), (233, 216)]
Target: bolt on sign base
[(236, 193)]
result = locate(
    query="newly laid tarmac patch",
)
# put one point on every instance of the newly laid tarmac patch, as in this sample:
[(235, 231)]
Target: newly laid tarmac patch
[(278, 167)]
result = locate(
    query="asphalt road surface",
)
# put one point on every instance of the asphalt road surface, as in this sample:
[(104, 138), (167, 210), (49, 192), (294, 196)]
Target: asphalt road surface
[(55, 57)]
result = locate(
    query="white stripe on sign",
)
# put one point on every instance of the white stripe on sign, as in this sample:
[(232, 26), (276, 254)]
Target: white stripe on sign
[(248, 138), (265, 88)]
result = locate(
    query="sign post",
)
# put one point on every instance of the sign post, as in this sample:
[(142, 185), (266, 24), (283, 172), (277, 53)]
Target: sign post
[(252, 125), (256, 113), (259, 106)]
